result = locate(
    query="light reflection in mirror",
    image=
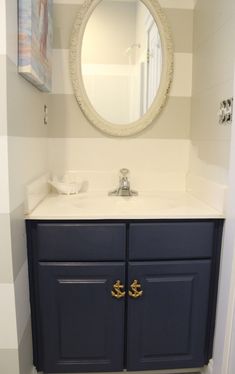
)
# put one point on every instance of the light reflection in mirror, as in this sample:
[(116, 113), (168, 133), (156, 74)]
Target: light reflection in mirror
[(121, 60)]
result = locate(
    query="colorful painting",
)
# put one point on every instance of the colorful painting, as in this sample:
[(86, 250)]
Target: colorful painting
[(35, 42)]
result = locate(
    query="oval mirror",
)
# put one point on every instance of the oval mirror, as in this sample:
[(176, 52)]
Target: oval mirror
[(121, 63)]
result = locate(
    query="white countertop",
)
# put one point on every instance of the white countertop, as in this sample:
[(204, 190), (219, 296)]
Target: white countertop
[(148, 205)]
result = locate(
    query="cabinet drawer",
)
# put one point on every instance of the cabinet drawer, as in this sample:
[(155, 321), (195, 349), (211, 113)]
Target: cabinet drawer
[(81, 242), (171, 240)]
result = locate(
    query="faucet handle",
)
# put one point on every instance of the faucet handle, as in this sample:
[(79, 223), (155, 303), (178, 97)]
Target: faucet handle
[(124, 172)]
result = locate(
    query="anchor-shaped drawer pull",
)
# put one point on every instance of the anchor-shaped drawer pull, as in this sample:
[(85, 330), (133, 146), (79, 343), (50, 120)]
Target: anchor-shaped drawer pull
[(136, 291), (117, 290)]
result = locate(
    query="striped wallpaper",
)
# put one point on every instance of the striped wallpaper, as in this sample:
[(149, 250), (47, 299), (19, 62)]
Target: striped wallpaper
[(23, 157), (213, 76)]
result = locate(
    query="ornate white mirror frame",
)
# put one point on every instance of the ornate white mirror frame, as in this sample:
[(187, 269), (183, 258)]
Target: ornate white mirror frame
[(105, 126)]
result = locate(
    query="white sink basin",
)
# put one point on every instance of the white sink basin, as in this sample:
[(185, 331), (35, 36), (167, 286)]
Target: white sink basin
[(118, 203)]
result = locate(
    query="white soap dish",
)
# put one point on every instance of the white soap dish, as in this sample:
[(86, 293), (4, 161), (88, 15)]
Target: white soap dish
[(66, 188)]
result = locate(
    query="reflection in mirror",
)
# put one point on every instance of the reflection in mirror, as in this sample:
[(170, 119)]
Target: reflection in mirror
[(121, 60)]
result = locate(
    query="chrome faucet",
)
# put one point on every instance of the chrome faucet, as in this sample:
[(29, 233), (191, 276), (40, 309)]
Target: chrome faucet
[(124, 185)]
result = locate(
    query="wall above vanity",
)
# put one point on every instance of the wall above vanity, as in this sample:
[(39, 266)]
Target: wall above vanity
[(67, 119), (163, 146)]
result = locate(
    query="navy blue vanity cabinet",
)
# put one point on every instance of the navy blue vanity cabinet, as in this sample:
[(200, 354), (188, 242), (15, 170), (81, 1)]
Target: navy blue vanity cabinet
[(82, 325), (123, 294), (167, 315)]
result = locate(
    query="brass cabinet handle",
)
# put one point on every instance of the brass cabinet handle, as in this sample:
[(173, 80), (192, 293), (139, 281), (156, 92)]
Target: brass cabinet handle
[(136, 291), (117, 290)]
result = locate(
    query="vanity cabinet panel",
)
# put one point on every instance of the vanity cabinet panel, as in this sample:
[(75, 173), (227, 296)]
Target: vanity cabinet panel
[(172, 240), (81, 242), (165, 315), (82, 325), (167, 323)]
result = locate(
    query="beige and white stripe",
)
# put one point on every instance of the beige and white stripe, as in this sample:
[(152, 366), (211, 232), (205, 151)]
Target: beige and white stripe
[(23, 156), (176, 4), (213, 75)]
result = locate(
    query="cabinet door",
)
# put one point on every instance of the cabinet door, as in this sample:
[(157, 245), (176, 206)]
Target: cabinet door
[(82, 324), (167, 324)]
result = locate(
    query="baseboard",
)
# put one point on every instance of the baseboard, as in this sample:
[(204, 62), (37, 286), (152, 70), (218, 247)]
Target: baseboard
[(208, 369), (34, 371)]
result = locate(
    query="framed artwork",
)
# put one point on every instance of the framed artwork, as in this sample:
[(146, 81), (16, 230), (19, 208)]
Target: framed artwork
[(35, 42)]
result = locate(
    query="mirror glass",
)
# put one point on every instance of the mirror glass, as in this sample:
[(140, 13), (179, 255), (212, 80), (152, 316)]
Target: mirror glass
[(121, 60)]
